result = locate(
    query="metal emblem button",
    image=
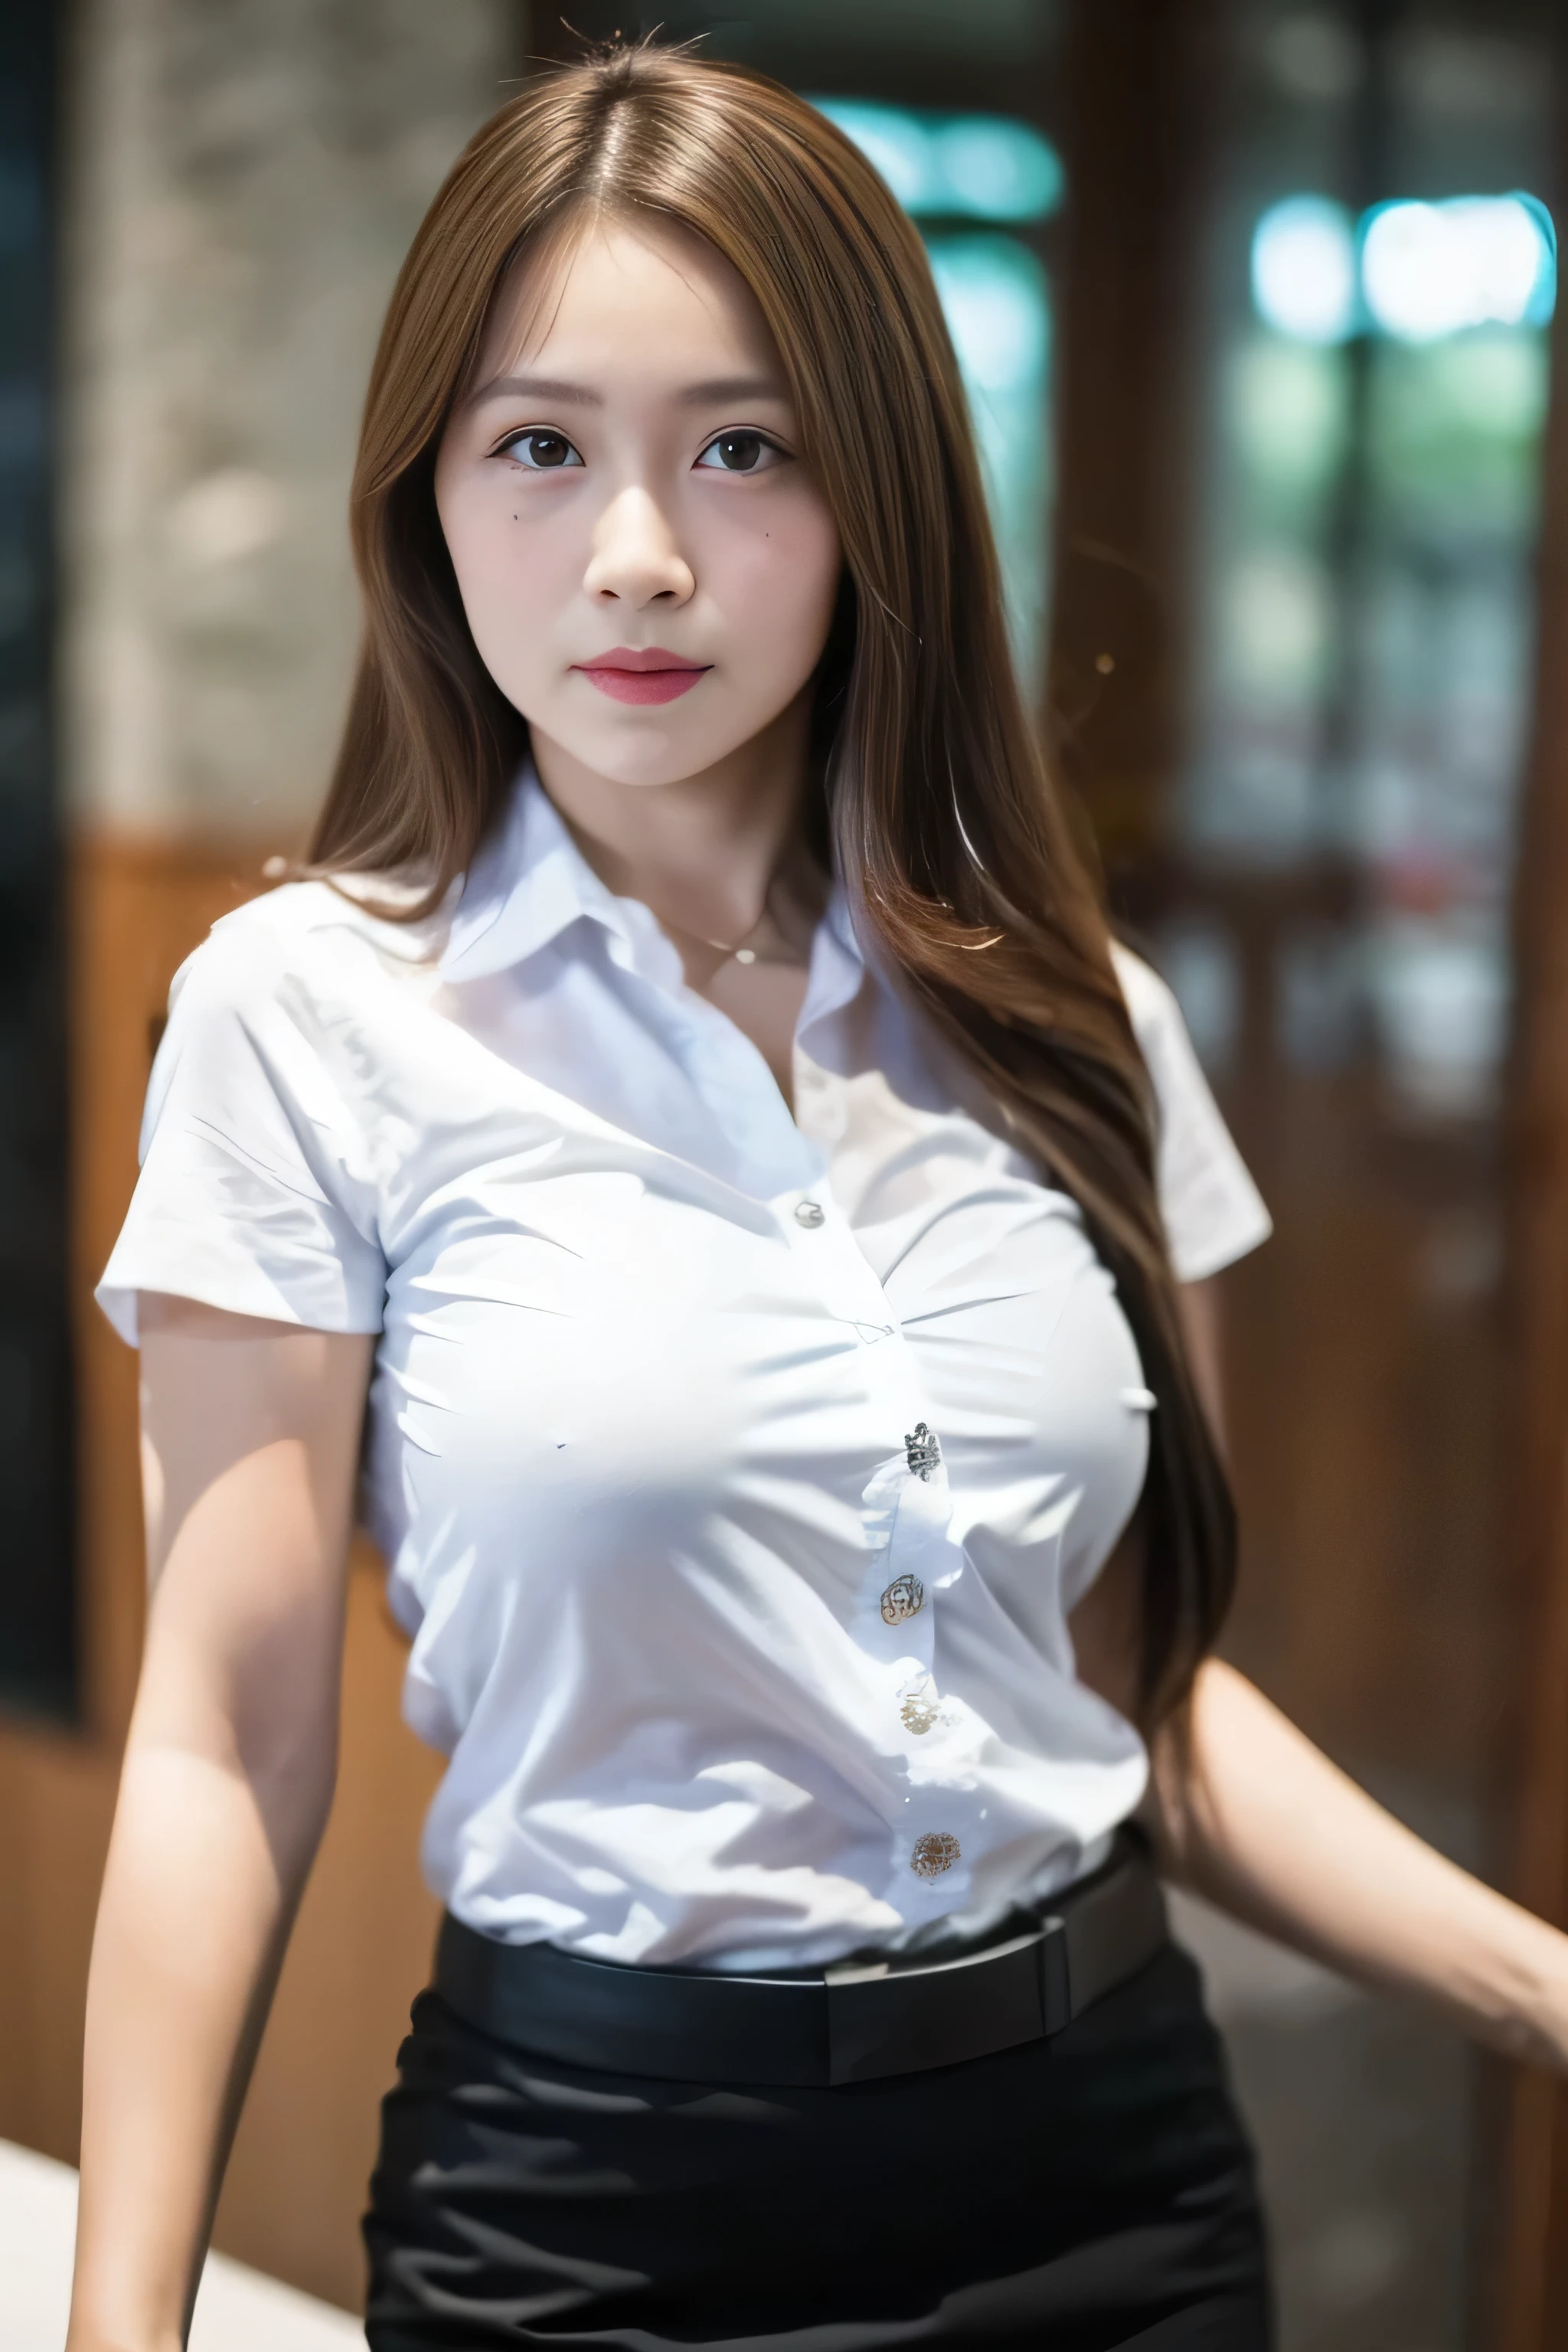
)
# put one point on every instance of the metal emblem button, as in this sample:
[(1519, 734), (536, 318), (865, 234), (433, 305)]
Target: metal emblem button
[(922, 1450), (920, 1711), (905, 1597), (933, 1854), (810, 1213)]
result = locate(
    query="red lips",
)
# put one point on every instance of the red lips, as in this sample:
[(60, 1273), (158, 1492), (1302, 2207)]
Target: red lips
[(646, 674)]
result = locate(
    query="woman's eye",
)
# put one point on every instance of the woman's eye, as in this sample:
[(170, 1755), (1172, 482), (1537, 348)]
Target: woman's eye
[(539, 452), (741, 453)]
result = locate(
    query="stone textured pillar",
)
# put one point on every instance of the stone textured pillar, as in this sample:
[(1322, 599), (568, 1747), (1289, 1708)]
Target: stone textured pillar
[(246, 176)]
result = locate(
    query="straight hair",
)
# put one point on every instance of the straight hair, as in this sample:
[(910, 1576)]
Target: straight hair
[(942, 817)]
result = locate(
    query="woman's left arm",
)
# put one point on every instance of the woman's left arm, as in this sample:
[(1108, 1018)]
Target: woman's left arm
[(1247, 1813)]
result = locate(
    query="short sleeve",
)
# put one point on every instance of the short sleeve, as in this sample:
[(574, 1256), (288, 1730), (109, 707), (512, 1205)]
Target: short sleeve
[(1214, 1211), (254, 1194)]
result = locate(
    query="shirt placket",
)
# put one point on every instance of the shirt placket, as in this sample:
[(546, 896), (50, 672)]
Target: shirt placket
[(912, 1560), (912, 1565)]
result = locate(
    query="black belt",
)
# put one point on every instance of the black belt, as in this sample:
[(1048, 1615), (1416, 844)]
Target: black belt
[(851, 2024)]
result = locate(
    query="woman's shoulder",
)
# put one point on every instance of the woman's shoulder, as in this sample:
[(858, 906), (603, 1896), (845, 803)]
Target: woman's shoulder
[(304, 938), (1151, 1003), (1214, 1211), (1162, 1033)]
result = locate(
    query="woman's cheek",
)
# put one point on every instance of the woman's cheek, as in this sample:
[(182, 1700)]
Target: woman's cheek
[(506, 610), (528, 579), (786, 580)]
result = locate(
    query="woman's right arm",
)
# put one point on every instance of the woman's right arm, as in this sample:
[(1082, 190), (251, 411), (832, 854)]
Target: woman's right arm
[(251, 1438)]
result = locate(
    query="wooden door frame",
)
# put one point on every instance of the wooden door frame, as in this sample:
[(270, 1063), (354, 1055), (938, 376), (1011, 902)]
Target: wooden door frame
[(1140, 117), (1533, 2284)]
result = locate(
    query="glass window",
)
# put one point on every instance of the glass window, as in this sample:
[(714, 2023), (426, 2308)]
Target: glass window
[(1336, 873), (952, 169), (1368, 625)]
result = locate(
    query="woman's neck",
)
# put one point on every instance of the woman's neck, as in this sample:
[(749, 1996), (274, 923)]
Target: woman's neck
[(704, 852)]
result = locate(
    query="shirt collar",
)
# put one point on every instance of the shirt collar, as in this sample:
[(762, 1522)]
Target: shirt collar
[(532, 882), (528, 883)]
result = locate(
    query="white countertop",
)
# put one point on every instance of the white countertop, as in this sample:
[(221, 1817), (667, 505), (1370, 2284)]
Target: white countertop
[(237, 2310)]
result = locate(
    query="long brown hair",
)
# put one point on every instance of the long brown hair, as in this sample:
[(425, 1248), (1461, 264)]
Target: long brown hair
[(943, 819)]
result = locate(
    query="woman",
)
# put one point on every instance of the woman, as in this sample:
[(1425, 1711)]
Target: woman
[(695, 1095)]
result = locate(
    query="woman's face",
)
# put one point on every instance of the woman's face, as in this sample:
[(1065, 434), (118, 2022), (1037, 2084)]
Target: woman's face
[(647, 565)]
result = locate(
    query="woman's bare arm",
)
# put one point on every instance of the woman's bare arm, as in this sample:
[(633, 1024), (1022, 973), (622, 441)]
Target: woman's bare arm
[(250, 1435), (1247, 1813), (1258, 1821)]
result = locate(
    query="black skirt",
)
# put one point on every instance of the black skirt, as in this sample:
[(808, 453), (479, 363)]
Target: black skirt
[(1093, 2192)]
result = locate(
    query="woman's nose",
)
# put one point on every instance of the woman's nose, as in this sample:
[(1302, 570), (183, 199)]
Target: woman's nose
[(635, 555)]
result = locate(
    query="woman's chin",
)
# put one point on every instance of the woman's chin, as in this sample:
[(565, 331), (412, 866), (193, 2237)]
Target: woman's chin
[(643, 748)]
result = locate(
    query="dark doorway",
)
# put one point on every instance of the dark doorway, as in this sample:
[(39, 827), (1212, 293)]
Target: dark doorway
[(36, 1568)]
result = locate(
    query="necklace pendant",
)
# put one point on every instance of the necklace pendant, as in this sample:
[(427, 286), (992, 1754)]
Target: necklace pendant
[(746, 955)]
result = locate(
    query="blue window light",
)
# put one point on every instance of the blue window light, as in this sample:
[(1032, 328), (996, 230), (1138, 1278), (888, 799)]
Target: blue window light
[(981, 167), (998, 307), (1430, 270), (1304, 269), (951, 169), (1414, 272)]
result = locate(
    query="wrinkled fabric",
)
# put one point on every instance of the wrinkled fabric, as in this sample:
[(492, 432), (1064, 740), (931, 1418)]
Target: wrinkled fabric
[(730, 1661)]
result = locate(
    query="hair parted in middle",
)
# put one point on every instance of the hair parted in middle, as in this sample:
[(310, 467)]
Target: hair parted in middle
[(962, 869)]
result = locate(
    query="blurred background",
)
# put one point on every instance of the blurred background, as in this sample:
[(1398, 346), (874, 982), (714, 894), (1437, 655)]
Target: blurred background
[(1255, 301)]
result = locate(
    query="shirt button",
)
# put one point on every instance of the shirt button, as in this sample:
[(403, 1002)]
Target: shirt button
[(921, 1451), (905, 1597), (918, 1712), (933, 1854), (809, 1213)]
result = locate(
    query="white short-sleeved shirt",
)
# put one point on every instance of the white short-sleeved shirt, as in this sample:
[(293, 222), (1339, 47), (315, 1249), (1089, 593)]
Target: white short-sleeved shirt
[(737, 1472)]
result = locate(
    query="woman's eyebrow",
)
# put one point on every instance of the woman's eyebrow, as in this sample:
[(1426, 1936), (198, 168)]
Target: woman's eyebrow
[(713, 390), (538, 387), (731, 387)]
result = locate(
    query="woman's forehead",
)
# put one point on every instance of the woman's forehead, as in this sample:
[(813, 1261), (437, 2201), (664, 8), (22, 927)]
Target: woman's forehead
[(602, 283)]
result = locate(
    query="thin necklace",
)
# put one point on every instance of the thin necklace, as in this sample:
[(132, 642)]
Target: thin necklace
[(738, 953)]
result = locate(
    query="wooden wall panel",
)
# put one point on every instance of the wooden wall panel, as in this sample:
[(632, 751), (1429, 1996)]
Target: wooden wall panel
[(1139, 89), (57, 1795)]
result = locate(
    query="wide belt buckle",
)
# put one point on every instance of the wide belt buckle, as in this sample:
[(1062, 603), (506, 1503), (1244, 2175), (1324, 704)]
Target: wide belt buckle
[(883, 2019)]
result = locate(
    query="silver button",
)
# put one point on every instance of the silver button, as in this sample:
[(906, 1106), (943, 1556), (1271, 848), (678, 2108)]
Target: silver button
[(905, 1597), (809, 1213), (933, 1854), (921, 1451)]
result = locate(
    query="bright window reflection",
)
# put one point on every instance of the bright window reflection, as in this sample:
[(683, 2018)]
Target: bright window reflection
[(948, 169), (958, 166), (1429, 270), (995, 298), (1370, 625), (1304, 269), (1415, 271)]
